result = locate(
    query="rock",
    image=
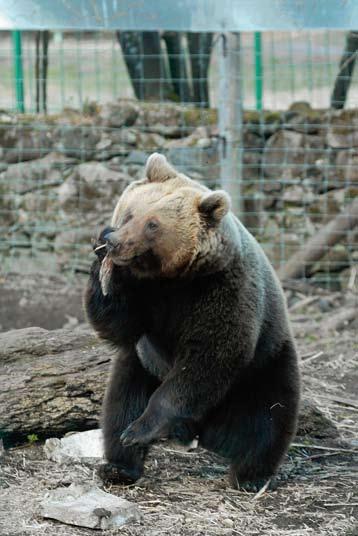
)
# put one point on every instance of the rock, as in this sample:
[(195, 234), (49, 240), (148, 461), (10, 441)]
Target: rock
[(25, 187), (104, 143), (205, 163), (332, 202), (149, 141), (347, 166), (137, 158), (193, 140), (128, 136), (161, 118), (302, 118), (38, 174), (119, 142), (119, 113), (24, 142), (81, 447), (251, 166), (88, 506), (296, 195), (90, 185), (172, 120), (41, 298), (251, 141), (291, 154), (312, 422), (77, 141), (73, 246), (254, 214), (227, 522), (343, 129)]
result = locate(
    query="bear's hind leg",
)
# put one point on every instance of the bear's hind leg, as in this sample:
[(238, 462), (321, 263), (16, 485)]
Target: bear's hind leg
[(254, 435), (127, 395)]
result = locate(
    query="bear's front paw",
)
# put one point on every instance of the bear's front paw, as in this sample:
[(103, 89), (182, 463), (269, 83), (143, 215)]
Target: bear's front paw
[(117, 474), (141, 432)]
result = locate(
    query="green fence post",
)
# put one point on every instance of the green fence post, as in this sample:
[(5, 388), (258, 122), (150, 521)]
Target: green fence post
[(18, 71), (258, 70)]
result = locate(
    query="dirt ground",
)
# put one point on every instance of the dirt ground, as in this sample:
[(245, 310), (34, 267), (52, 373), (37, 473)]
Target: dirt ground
[(187, 493)]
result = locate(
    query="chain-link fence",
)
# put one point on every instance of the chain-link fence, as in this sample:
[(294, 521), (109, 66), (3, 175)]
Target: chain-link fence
[(82, 111)]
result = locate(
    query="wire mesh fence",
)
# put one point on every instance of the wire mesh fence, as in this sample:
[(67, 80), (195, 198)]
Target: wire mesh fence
[(113, 98), (90, 66)]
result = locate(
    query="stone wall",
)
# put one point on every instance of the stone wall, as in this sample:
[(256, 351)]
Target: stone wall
[(60, 177)]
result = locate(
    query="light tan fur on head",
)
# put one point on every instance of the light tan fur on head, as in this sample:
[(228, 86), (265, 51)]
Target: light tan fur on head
[(184, 213)]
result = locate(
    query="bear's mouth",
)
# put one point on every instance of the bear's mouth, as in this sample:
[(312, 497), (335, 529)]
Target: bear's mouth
[(143, 262)]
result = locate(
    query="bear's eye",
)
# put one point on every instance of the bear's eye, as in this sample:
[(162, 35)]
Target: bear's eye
[(127, 217), (152, 226)]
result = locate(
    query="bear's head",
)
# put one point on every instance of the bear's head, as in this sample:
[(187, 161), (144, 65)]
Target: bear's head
[(165, 223)]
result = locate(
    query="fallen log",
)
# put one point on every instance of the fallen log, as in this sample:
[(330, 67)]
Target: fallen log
[(298, 265), (341, 319), (52, 382)]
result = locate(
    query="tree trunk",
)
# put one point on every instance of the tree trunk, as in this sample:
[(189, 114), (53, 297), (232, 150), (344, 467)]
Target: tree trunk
[(41, 64), (200, 50), (51, 381), (177, 65), (317, 246), (142, 52), (346, 67)]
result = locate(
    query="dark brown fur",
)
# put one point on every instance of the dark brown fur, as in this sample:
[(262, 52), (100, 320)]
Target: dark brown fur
[(207, 351)]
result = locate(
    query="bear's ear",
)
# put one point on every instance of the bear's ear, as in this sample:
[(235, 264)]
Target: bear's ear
[(215, 205), (158, 169)]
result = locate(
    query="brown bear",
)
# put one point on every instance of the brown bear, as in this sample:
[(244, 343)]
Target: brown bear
[(198, 316)]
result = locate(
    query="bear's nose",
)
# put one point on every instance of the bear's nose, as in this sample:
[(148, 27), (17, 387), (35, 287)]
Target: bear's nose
[(112, 241), (104, 233)]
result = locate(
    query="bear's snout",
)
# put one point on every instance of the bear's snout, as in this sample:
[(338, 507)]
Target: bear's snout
[(113, 242)]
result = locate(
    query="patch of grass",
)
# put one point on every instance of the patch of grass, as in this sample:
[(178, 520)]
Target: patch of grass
[(32, 438)]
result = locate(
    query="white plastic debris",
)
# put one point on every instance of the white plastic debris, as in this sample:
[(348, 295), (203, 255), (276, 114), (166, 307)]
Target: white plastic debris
[(81, 447), (88, 506)]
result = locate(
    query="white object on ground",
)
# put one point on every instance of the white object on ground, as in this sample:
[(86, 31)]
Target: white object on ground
[(88, 506), (81, 447)]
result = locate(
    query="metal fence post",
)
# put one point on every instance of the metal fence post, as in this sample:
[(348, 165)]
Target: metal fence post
[(18, 71), (258, 71), (230, 118)]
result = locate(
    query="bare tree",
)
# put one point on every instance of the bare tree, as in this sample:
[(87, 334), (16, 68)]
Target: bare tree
[(144, 58), (346, 68), (168, 66), (200, 45), (41, 64)]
